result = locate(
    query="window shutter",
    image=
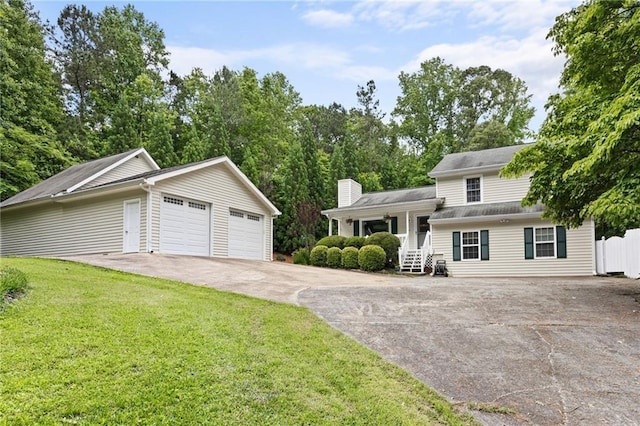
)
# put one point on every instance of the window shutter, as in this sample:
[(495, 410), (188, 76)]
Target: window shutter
[(561, 242), (356, 228), (484, 244), (528, 243), (456, 246), (394, 225)]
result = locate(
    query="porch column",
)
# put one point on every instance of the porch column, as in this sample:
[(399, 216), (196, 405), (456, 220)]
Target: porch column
[(407, 224), (330, 225)]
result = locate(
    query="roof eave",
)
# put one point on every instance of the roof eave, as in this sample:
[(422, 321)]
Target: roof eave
[(467, 171), (101, 172), (408, 204), (487, 218), (235, 170)]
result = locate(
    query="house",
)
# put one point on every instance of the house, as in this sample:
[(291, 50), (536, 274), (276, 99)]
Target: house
[(126, 204), (472, 219)]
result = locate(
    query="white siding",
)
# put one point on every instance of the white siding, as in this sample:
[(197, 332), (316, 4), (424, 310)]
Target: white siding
[(82, 227), (216, 185), (131, 167), (506, 251), (349, 191), (494, 189)]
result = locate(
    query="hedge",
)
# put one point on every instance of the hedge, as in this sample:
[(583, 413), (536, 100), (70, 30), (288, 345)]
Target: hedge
[(389, 243), (301, 256), (371, 258), (332, 241), (319, 256), (356, 242), (334, 257), (350, 258)]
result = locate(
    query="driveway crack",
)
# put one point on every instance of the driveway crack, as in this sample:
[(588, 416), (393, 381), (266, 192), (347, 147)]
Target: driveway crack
[(554, 378)]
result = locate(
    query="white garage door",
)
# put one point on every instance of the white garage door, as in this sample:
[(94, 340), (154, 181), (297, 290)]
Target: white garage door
[(246, 235), (184, 226)]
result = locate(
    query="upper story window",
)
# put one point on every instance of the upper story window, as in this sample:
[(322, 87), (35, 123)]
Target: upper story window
[(473, 189)]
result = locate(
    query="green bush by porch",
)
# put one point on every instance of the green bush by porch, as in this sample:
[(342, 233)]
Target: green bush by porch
[(372, 258), (350, 258), (389, 243), (319, 256), (334, 257), (332, 241)]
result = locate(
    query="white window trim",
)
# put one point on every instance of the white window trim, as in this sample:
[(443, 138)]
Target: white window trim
[(462, 258), (464, 189), (555, 243)]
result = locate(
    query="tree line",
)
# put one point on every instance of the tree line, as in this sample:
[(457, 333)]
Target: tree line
[(95, 84)]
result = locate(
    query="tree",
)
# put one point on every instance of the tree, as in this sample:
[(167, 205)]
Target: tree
[(78, 64), (142, 119), (293, 198), (586, 162), (30, 109), (442, 107)]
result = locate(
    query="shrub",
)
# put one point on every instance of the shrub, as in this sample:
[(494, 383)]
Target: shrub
[(13, 282), (356, 242), (350, 258), (301, 256), (332, 241), (389, 243), (281, 257), (319, 256), (334, 257), (371, 258)]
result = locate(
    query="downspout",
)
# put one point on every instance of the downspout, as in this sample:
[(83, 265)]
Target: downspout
[(145, 186)]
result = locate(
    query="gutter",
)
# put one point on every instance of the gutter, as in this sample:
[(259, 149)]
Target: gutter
[(490, 218), (407, 204)]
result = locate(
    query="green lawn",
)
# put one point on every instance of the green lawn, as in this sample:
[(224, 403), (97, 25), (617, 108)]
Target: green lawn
[(92, 346)]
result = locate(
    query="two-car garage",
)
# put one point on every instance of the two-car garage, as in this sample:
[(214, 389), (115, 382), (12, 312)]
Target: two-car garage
[(186, 228)]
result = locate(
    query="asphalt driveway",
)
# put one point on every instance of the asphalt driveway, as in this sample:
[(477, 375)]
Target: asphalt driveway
[(558, 351)]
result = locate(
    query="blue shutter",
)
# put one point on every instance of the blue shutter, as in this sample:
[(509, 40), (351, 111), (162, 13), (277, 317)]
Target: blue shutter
[(456, 246), (561, 242), (528, 243), (356, 228), (484, 244), (394, 225)]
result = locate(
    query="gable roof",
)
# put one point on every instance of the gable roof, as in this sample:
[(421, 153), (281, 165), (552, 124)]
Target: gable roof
[(472, 161), (153, 176), (389, 198), (485, 211), (75, 177), (68, 182)]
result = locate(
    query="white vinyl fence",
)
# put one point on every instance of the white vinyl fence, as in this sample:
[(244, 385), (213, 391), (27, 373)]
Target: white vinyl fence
[(619, 254)]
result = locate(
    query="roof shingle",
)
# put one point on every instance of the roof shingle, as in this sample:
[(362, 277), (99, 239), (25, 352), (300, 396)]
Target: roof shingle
[(65, 179), (461, 162)]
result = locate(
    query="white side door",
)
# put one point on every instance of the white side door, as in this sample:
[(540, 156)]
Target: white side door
[(131, 231)]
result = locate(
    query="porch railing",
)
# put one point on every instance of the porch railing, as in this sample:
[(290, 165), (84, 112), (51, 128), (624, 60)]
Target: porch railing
[(424, 253)]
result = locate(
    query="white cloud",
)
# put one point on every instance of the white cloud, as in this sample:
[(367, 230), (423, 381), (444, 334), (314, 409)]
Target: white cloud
[(305, 55), (328, 18), (529, 58), (400, 16), (518, 15), (362, 74)]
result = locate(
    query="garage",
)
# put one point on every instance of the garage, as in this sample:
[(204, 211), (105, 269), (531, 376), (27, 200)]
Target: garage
[(184, 226), (246, 235)]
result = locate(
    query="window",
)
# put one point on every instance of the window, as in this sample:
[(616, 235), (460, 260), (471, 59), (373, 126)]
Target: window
[(236, 214), (545, 242), (470, 245), (172, 200), (198, 206), (473, 189), (372, 226)]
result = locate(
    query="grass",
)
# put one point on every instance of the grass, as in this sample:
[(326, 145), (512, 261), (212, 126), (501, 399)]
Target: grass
[(13, 284), (93, 346)]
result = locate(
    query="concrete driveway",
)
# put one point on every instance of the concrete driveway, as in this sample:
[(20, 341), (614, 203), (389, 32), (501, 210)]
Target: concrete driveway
[(558, 351)]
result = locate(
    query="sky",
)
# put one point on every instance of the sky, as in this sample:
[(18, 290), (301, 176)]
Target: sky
[(328, 48)]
